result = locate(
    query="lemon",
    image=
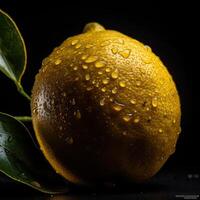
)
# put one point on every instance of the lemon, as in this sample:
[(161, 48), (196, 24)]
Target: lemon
[(104, 106)]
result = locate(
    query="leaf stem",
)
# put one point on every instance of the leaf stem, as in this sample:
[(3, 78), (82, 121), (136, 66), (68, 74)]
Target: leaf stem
[(23, 118), (21, 90)]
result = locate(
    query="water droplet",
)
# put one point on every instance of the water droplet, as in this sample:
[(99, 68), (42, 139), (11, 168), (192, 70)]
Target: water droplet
[(10, 138), (74, 42), (44, 69), (63, 94), (179, 131), (78, 114), (127, 117), (78, 46), (91, 59), (99, 64), (58, 61), (133, 101), (124, 133), (36, 184), (52, 101), (154, 102), (88, 46), (108, 70), (136, 120), (87, 77), (118, 106), (100, 72), (160, 130), (77, 78), (165, 114), (105, 43), (105, 81), (122, 84), (148, 48), (83, 57), (147, 108), (102, 102), (114, 90), (93, 82), (69, 140), (60, 128), (115, 74), (75, 68), (138, 83), (103, 89), (73, 102), (125, 53), (84, 66), (89, 88), (114, 50), (174, 121), (111, 99), (149, 119), (156, 90), (35, 111)]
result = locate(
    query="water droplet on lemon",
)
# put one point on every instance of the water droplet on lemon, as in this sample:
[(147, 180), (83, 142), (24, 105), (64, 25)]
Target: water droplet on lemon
[(138, 83), (115, 74), (108, 70), (77, 46), (114, 50), (125, 53), (127, 117), (83, 57), (87, 77), (118, 106), (136, 120), (78, 114), (122, 84), (102, 102), (99, 64), (154, 102), (91, 59), (74, 42), (84, 66), (105, 81), (160, 130), (88, 46), (103, 89), (114, 90), (58, 61), (133, 101)]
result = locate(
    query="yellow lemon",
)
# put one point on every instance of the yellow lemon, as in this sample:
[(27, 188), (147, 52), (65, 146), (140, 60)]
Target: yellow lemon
[(104, 106)]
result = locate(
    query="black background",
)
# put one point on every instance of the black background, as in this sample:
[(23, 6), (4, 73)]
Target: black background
[(170, 29)]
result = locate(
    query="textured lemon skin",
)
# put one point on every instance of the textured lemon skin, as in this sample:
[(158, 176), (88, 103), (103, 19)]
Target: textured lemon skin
[(104, 106)]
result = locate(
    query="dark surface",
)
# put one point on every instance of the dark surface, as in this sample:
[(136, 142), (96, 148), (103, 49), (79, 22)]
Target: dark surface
[(165, 185), (169, 28)]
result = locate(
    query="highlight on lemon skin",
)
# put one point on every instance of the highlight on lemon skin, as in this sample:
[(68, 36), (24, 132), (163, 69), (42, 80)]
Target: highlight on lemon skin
[(104, 108)]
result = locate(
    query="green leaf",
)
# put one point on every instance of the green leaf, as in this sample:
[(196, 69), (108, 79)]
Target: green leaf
[(13, 57), (22, 161)]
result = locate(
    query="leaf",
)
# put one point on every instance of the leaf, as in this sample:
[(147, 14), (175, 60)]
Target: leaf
[(12, 49), (22, 161), (13, 57)]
